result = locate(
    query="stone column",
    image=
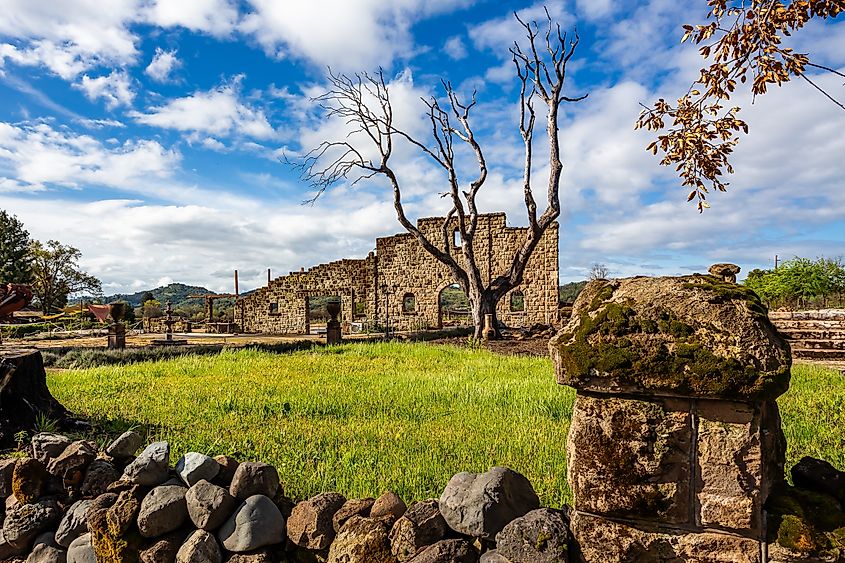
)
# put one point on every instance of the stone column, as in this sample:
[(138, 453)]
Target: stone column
[(675, 439), (333, 329)]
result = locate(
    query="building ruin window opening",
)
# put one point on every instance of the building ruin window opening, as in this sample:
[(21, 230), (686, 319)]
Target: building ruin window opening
[(453, 307), (409, 303), (318, 315), (457, 237), (517, 304), (274, 308)]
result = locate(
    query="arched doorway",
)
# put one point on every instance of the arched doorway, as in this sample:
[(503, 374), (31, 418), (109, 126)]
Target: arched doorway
[(453, 307)]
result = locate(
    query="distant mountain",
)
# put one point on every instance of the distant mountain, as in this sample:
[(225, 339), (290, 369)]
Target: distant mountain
[(176, 293)]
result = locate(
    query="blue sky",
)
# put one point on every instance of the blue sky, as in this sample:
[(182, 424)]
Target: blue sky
[(148, 133)]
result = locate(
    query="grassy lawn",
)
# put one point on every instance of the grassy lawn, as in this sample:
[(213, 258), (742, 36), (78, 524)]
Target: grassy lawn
[(361, 418)]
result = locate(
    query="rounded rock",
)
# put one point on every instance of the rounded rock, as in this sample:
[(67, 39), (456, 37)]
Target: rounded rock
[(254, 478), (390, 506), (361, 540), (420, 526), (125, 445), (209, 506), (193, 467), (200, 547), (162, 510), (541, 536), (74, 523), (310, 523), (80, 550), (151, 467), (447, 551), (256, 523)]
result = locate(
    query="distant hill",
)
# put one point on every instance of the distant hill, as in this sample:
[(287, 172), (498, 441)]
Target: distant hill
[(176, 293), (569, 292)]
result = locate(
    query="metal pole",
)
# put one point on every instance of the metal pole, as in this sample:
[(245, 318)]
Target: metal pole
[(776, 261), (236, 284), (268, 276)]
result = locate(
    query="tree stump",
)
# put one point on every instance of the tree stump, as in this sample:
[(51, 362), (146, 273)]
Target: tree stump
[(24, 395)]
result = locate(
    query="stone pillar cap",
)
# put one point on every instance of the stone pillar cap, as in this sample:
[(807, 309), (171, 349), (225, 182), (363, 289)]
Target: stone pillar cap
[(688, 336), (724, 269)]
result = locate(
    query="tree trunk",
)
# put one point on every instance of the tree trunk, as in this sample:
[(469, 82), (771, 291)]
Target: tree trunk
[(485, 304), (24, 395)]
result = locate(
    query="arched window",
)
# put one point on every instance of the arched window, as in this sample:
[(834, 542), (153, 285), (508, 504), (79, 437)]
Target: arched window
[(409, 303), (457, 236), (517, 302)]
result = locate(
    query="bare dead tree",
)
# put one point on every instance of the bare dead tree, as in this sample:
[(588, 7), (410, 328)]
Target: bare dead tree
[(363, 102), (598, 271)]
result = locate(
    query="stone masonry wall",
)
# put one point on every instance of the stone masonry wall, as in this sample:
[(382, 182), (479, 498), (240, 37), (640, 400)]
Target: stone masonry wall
[(401, 266)]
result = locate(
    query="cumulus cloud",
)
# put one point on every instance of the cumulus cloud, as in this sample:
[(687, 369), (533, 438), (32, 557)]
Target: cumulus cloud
[(455, 48), (162, 65), (115, 89), (219, 112), (215, 17)]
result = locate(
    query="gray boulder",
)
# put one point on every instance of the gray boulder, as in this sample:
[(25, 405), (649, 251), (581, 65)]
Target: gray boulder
[(44, 553), (200, 547), (493, 556), (71, 463), (254, 478), (125, 445), (162, 510), (7, 469), (193, 467), (99, 475), (151, 467), (48, 445), (447, 551), (7, 550), (310, 523), (541, 536), (481, 504), (420, 526), (209, 506), (256, 523), (26, 521), (820, 476), (74, 523), (81, 550)]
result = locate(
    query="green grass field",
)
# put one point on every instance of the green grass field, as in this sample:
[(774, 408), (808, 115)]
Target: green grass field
[(362, 418)]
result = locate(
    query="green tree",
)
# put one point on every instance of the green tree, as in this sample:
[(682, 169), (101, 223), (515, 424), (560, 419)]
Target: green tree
[(799, 281), (15, 258), (151, 308), (56, 274)]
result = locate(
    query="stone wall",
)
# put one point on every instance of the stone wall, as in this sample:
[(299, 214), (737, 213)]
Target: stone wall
[(403, 268), (813, 335)]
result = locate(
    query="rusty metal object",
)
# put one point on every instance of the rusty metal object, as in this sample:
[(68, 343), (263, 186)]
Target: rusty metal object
[(13, 297)]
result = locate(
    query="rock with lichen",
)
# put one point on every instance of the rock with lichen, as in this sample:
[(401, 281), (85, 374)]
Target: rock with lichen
[(696, 336)]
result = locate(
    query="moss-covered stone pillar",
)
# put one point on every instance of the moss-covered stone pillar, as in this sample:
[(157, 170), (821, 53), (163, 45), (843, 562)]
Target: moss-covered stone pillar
[(675, 439)]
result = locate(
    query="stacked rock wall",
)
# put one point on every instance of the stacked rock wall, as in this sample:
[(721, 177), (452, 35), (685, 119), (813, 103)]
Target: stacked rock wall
[(401, 267)]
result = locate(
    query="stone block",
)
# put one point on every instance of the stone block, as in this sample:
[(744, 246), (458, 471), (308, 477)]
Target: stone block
[(631, 458)]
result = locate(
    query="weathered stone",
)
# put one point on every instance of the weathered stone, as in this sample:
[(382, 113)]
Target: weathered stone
[(631, 458), (805, 522), (421, 525), (361, 540), (125, 445), (254, 478), (26, 521), (447, 551), (45, 538), (696, 336), (481, 504), (819, 475), (99, 475), (193, 467), (48, 445), (102, 502), (604, 540), (122, 514), (493, 556), (80, 550), (47, 554), (7, 469), (389, 505), (310, 523), (228, 466), (110, 547), (725, 271), (352, 507), (541, 536), (8, 550), (74, 458), (256, 523), (209, 505), (151, 467), (163, 549), (200, 547), (29, 478), (74, 523), (162, 510), (261, 556)]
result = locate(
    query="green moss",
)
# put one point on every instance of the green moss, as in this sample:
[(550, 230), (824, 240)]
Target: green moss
[(722, 292), (795, 534), (807, 521)]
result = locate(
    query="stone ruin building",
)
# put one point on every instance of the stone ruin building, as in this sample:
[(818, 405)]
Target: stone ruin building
[(402, 282)]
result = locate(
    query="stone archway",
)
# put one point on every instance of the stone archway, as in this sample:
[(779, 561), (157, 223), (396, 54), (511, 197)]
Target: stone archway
[(454, 295)]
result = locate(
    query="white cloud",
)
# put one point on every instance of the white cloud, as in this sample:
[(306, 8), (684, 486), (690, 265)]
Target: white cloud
[(216, 17), (36, 156), (346, 35), (218, 112), (498, 34), (115, 89), (455, 48), (163, 63), (595, 9)]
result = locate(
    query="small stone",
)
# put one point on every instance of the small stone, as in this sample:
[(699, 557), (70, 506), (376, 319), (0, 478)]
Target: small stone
[(725, 271), (481, 504), (200, 547), (26, 521), (228, 466), (361, 540), (540, 536), (7, 469), (163, 549), (820, 476), (493, 556), (256, 523), (254, 478), (209, 506), (420, 526), (447, 551), (151, 467), (352, 507), (47, 554), (125, 445), (389, 506), (162, 510), (81, 550), (74, 458), (28, 480), (74, 523), (99, 475), (48, 445), (193, 467), (262, 556), (310, 523)]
